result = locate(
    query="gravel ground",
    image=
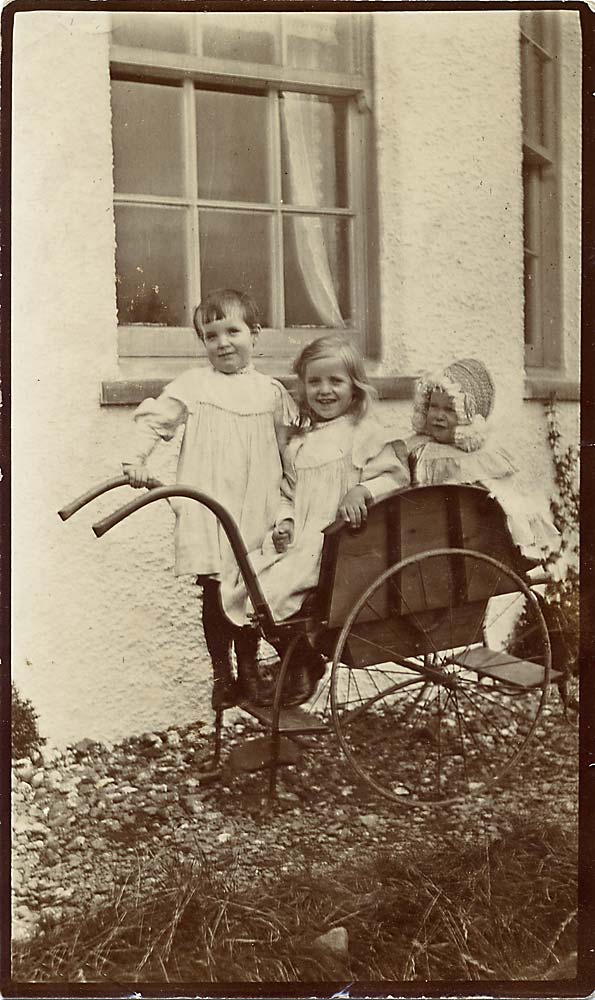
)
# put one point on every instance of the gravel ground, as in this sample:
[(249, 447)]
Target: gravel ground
[(90, 819)]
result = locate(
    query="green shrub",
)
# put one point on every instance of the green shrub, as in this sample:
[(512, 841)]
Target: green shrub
[(25, 734)]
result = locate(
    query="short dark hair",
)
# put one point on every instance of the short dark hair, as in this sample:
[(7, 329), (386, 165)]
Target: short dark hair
[(219, 303)]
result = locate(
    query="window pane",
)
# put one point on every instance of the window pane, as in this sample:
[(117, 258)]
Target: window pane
[(320, 41), (531, 208), (534, 24), (532, 85), (167, 32), (316, 271), (245, 37), (532, 293), (313, 150), (151, 265), (231, 146), (235, 252), (147, 134)]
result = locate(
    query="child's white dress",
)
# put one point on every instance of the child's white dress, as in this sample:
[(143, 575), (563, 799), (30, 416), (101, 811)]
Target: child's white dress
[(527, 516), (320, 466), (229, 451)]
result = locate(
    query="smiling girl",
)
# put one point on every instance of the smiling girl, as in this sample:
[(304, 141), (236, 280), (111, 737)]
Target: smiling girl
[(339, 460), (235, 425)]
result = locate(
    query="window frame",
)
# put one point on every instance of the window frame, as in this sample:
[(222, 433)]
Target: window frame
[(138, 341), (541, 202)]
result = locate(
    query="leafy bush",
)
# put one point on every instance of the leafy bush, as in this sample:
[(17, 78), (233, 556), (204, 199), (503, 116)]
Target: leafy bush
[(25, 734), (560, 601), (561, 597)]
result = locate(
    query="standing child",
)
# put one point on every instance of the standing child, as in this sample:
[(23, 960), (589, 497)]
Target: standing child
[(451, 417), (337, 462), (235, 426)]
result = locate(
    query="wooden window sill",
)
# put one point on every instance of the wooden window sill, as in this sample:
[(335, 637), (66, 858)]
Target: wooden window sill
[(551, 385), (131, 391)]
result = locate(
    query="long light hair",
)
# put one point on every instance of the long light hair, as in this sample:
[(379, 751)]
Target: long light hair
[(343, 350)]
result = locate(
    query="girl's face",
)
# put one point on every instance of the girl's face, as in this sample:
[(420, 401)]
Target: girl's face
[(441, 421), (329, 389), (229, 342)]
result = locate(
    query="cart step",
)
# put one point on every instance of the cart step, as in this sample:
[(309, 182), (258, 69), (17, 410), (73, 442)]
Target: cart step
[(256, 754), (291, 720), (503, 666)]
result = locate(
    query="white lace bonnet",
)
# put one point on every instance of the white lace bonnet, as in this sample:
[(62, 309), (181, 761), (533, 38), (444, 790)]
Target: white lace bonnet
[(470, 386)]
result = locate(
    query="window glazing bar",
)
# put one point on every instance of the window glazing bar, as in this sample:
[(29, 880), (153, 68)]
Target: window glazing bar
[(144, 63)]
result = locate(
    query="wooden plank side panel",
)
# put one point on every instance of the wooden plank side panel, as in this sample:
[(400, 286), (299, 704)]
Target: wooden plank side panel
[(361, 557), (411, 523), (413, 635), (484, 530), (424, 526)]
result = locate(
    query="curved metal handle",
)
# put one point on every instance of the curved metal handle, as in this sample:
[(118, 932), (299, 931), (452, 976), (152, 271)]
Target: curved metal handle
[(96, 491), (259, 603)]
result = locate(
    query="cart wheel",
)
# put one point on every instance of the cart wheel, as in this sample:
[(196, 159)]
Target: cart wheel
[(428, 701)]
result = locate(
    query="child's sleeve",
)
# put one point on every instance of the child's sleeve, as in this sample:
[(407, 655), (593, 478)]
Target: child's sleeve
[(286, 509), (154, 420), (382, 470), (401, 451), (285, 414), (384, 473)]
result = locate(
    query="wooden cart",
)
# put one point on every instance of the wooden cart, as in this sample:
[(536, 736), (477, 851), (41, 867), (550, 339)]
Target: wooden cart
[(439, 656)]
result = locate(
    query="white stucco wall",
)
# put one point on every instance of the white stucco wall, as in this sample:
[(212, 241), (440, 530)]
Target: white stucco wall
[(106, 641), (104, 638), (448, 118)]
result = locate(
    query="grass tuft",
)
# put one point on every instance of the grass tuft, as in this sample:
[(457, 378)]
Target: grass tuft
[(501, 910)]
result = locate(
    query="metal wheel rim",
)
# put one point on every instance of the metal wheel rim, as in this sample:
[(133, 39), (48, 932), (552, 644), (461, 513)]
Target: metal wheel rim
[(344, 633)]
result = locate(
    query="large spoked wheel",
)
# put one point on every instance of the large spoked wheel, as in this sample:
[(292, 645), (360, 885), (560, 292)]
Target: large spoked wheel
[(429, 701)]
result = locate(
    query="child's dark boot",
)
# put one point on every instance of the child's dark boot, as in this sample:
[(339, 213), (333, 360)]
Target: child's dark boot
[(225, 692), (305, 671), (251, 685)]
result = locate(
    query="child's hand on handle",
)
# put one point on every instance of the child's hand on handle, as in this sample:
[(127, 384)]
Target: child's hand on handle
[(354, 506), (138, 475), (283, 535)]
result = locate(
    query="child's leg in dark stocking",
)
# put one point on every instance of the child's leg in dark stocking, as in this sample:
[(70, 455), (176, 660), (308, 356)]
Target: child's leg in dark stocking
[(245, 641), (218, 635)]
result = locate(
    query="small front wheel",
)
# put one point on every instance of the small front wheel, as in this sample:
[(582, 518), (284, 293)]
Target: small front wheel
[(429, 700)]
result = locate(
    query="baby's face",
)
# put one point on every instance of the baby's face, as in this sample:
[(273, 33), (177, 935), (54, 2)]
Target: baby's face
[(441, 421)]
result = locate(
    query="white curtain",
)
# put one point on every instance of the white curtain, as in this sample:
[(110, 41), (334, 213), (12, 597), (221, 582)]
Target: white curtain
[(302, 144)]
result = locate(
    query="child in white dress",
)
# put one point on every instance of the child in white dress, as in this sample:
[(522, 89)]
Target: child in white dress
[(451, 445), (235, 427), (339, 460)]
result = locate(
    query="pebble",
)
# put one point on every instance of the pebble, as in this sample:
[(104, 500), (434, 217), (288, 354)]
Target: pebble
[(53, 779), (82, 820), (25, 771), (335, 941), (370, 820), (23, 930)]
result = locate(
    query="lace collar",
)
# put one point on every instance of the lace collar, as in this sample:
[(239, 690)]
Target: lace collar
[(246, 370)]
